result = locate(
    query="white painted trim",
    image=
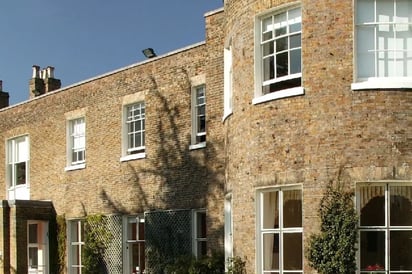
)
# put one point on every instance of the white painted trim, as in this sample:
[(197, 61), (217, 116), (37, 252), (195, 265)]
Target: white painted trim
[(75, 167), (384, 83), (227, 114), (133, 157), (278, 95), (197, 146)]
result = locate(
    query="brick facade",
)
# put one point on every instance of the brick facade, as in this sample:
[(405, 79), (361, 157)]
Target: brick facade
[(329, 133), (170, 177)]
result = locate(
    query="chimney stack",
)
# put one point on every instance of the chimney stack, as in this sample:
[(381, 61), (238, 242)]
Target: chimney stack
[(43, 81), (4, 97)]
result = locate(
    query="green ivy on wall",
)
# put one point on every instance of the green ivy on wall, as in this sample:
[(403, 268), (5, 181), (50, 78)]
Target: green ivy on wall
[(96, 239), (333, 250), (61, 242)]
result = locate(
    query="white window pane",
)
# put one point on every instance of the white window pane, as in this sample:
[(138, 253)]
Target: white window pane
[(292, 208), (268, 48), (400, 250), (280, 24), (295, 61), (20, 173), (33, 257), (282, 44), (271, 251), (365, 39), (32, 234), (292, 251), (282, 64), (295, 41), (372, 251), (400, 206), (22, 150), (270, 210), (366, 67), (364, 13), (403, 11), (372, 205), (267, 28), (295, 20), (385, 11), (268, 69)]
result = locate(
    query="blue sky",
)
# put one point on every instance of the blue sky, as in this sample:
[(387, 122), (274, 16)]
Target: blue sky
[(86, 38)]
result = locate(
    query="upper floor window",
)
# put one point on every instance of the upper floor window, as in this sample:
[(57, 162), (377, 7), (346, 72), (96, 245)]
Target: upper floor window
[(76, 143), (228, 72), (278, 57), (383, 44), (134, 131), (18, 161), (280, 231), (198, 117)]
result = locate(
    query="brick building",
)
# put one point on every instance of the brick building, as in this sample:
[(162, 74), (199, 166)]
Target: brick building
[(298, 94)]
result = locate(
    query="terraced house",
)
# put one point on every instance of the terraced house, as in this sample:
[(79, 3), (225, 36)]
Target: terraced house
[(227, 145)]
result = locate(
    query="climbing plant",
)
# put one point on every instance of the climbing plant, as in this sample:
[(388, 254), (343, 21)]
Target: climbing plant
[(333, 250), (96, 239), (61, 242)]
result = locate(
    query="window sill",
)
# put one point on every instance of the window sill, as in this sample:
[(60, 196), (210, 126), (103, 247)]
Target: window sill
[(278, 95), (75, 167), (226, 114), (130, 157), (384, 83), (197, 146)]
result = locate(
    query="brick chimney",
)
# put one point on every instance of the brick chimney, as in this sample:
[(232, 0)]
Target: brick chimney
[(4, 97), (43, 81)]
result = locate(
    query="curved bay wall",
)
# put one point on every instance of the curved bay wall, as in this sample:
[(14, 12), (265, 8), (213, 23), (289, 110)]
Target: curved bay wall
[(330, 133)]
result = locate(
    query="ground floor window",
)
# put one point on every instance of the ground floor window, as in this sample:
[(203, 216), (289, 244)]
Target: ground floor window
[(76, 245), (199, 239), (280, 248), (135, 245), (37, 247), (228, 228), (385, 228)]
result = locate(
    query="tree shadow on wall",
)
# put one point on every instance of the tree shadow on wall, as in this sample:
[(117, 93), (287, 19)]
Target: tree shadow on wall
[(174, 177)]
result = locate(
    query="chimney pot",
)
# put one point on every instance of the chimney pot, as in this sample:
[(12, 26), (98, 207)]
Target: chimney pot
[(50, 72), (36, 70)]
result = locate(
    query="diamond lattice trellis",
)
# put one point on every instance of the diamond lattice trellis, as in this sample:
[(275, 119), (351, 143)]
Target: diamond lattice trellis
[(168, 236), (113, 254)]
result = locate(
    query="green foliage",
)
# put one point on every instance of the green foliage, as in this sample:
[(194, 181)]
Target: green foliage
[(333, 250), (61, 242), (96, 238), (236, 265), (188, 264)]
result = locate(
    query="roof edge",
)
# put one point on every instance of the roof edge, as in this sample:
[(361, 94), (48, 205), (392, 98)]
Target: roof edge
[(108, 74)]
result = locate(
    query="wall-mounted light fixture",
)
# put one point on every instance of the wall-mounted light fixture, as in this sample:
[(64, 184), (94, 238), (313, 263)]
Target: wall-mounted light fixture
[(149, 53)]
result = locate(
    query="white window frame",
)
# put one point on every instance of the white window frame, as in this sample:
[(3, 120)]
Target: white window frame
[(196, 239), (16, 190), (196, 132), (127, 252), (74, 136), (41, 245), (78, 226), (129, 151), (260, 230), (228, 228), (375, 81), (228, 82), (387, 228), (260, 97)]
